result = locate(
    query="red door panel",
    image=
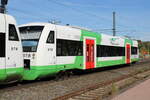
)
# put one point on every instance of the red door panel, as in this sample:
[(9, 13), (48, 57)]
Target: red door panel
[(90, 54), (87, 56), (128, 53)]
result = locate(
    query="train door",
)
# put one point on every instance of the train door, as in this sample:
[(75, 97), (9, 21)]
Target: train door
[(90, 54), (128, 53), (2, 46)]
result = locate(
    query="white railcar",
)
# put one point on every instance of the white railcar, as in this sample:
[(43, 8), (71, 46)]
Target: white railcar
[(11, 58), (49, 49)]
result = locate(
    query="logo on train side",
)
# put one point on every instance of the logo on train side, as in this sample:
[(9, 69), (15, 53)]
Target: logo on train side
[(114, 41)]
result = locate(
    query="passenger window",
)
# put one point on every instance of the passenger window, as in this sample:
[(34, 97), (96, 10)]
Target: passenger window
[(2, 44), (13, 36), (109, 51), (51, 37), (69, 48)]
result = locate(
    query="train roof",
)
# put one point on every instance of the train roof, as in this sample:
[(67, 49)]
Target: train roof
[(35, 23), (44, 23), (10, 18), (74, 27)]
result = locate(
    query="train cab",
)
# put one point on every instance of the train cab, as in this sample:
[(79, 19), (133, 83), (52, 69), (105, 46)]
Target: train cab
[(11, 58), (49, 49), (38, 49)]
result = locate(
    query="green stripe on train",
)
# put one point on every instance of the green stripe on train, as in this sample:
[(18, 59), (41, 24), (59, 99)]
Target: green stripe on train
[(9, 73)]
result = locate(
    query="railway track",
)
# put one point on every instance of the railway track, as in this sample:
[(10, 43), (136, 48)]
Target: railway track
[(102, 90), (108, 88), (75, 87)]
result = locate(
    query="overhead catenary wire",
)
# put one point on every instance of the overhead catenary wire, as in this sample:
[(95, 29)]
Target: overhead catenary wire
[(91, 15), (28, 14), (78, 10)]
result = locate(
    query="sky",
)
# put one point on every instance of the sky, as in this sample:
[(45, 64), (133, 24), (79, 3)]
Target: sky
[(132, 16)]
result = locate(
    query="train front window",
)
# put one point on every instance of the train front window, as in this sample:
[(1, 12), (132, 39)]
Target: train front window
[(30, 37), (30, 45), (31, 32)]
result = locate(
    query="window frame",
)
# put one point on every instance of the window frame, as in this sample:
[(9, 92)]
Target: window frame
[(30, 47), (69, 47), (134, 50), (3, 45), (49, 42), (16, 37), (110, 51)]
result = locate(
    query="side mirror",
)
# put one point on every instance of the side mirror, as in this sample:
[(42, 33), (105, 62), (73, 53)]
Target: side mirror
[(4, 2)]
